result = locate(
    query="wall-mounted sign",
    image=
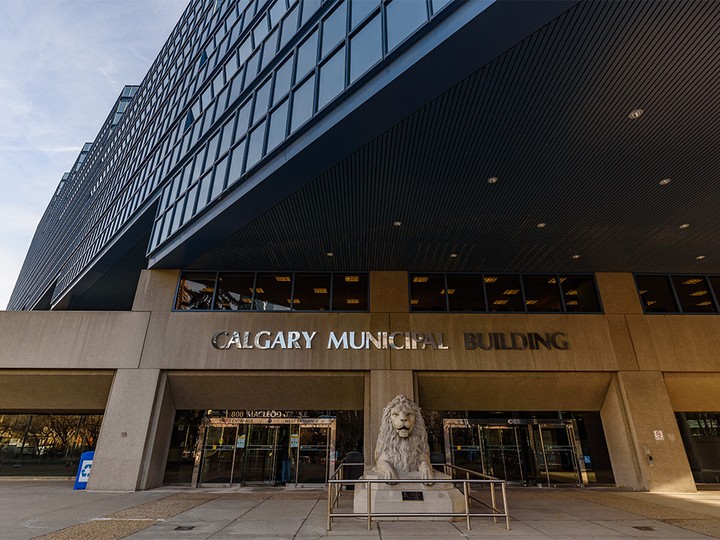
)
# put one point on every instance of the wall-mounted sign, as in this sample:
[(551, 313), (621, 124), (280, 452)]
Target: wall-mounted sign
[(265, 339), (294, 440), (658, 435), (484, 341)]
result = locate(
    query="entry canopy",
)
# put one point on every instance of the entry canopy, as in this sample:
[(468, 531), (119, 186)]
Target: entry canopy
[(533, 136)]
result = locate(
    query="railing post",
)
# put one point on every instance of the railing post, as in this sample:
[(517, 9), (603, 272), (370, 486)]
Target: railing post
[(369, 502), (492, 500), (329, 507), (505, 507), (467, 504)]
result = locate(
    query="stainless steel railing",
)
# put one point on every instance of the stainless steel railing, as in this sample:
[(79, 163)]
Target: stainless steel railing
[(337, 481)]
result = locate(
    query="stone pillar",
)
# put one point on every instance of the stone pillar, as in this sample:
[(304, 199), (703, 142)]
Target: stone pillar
[(389, 292), (643, 438), (381, 387), (127, 438)]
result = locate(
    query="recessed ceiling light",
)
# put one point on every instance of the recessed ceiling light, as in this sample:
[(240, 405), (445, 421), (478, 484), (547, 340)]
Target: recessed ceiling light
[(576, 256), (330, 254), (571, 303), (414, 302), (634, 115), (490, 279), (698, 293), (664, 181), (492, 180), (692, 281), (420, 279), (511, 291), (397, 223), (352, 279), (684, 225), (282, 278), (531, 302), (706, 303), (700, 257), (500, 302), (320, 290), (541, 225), (353, 300), (453, 255)]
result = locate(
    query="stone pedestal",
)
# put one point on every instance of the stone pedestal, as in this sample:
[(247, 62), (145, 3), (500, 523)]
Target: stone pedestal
[(410, 498)]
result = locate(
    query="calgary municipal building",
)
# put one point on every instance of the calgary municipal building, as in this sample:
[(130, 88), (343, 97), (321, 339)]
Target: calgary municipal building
[(505, 210)]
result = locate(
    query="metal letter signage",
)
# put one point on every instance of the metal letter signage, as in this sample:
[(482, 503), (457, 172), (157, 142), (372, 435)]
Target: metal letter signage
[(399, 341)]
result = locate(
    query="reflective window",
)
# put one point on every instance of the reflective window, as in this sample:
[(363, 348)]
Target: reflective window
[(332, 78), (656, 294), (542, 293), (361, 9), (309, 8), (204, 192), (255, 147), (234, 291), (350, 292), (302, 103), (427, 292), (289, 26), (195, 290), (694, 294), (262, 100), (311, 292), (306, 56), (283, 79), (273, 292), (403, 18), (465, 292), (334, 28), (365, 48), (504, 293), (278, 125), (219, 178), (237, 155), (45, 444), (226, 138)]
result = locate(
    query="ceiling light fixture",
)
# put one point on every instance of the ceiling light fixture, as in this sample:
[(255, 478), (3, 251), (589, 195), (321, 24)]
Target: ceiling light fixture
[(352, 279), (541, 225), (330, 254), (692, 281), (684, 225), (453, 255), (576, 256), (492, 180), (664, 181), (420, 279), (700, 257), (282, 278), (397, 223), (634, 115), (320, 290)]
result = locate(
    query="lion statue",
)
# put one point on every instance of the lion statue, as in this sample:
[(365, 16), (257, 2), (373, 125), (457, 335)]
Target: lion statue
[(402, 445)]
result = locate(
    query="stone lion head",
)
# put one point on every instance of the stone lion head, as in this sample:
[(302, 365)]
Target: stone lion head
[(403, 439)]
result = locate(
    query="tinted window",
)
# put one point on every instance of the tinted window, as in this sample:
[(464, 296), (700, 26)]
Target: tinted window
[(503, 293), (311, 292), (272, 292), (465, 292), (334, 28), (332, 78), (694, 294), (365, 48), (403, 18), (542, 293), (360, 10), (195, 291), (234, 291), (350, 292), (278, 124), (254, 152), (580, 294), (306, 56), (303, 103), (427, 292), (656, 295)]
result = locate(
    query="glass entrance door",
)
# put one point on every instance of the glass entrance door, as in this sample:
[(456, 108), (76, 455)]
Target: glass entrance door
[(522, 451), (315, 453), (502, 453), (557, 453), (219, 454), (266, 451)]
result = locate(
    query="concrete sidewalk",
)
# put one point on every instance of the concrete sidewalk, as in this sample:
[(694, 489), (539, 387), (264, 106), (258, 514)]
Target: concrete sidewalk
[(51, 510)]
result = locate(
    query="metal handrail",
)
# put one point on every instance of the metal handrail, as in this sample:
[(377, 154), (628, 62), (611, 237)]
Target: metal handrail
[(336, 481)]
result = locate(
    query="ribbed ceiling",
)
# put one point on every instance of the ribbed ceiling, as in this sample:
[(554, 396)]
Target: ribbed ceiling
[(550, 119)]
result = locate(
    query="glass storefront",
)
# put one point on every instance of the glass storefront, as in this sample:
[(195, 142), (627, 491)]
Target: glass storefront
[(45, 444), (528, 448), (260, 447), (700, 432)]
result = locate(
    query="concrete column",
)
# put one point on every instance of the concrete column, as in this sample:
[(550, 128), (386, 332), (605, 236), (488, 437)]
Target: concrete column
[(618, 293), (381, 387), (643, 438), (126, 445), (389, 292)]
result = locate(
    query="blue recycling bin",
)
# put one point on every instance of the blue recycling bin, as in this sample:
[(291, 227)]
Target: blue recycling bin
[(83, 473)]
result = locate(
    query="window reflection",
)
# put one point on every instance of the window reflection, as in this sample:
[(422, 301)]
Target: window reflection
[(656, 294), (542, 293), (234, 291), (465, 292), (195, 291), (350, 292), (312, 292), (427, 292), (273, 292), (694, 294), (579, 294), (504, 293)]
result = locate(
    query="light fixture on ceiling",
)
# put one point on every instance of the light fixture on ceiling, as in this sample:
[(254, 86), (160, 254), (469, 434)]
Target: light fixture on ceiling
[(541, 225), (453, 255), (320, 290), (330, 254), (489, 279), (282, 278), (700, 257), (684, 225), (531, 302), (492, 180), (692, 281), (511, 291), (576, 256), (420, 279), (352, 279), (634, 115), (397, 223), (698, 293), (664, 181)]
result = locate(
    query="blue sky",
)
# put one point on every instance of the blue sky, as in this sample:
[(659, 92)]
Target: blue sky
[(64, 63)]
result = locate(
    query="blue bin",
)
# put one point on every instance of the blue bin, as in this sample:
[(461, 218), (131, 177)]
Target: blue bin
[(83, 472)]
